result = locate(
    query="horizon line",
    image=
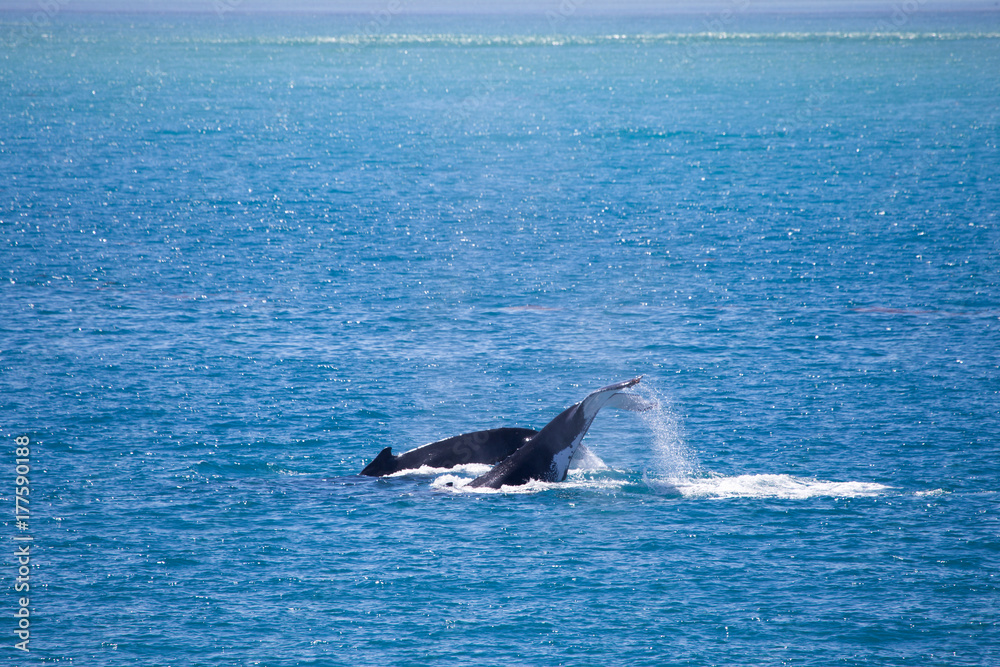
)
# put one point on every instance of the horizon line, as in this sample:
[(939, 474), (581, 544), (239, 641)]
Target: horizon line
[(234, 8)]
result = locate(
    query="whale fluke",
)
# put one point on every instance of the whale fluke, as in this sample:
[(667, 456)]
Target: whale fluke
[(547, 455), (633, 402)]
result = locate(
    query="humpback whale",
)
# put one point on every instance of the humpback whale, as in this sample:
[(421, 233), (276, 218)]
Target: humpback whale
[(490, 447), (521, 454), (546, 456)]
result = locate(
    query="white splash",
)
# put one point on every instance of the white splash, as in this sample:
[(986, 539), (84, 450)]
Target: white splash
[(671, 458), (474, 469), (574, 480), (764, 486), (586, 459)]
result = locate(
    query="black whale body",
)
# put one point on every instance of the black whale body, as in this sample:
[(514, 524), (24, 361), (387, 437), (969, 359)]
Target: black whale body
[(491, 446)]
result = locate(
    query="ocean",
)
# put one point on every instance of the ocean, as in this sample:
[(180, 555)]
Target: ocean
[(242, 254)]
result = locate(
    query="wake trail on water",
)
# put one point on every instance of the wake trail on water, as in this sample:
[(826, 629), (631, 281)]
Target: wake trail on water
[(674, 469), (763, 486)]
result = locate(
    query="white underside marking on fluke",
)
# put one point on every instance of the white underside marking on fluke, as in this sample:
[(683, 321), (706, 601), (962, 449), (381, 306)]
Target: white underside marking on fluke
[(560, 462)]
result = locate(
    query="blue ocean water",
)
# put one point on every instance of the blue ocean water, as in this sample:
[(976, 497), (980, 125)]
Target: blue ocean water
[(241, 255)]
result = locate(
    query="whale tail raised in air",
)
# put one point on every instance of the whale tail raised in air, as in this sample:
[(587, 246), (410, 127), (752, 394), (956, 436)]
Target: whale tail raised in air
[(547, 456), (520, 454)]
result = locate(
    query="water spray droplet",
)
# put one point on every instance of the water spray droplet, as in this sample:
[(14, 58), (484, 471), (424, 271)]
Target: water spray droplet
[(671, 459)]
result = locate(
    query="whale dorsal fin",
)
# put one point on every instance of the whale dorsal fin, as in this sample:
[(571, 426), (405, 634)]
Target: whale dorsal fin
[(383, 464)]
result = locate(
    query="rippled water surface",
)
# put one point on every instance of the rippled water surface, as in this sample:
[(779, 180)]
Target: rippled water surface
[(241, 256)]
